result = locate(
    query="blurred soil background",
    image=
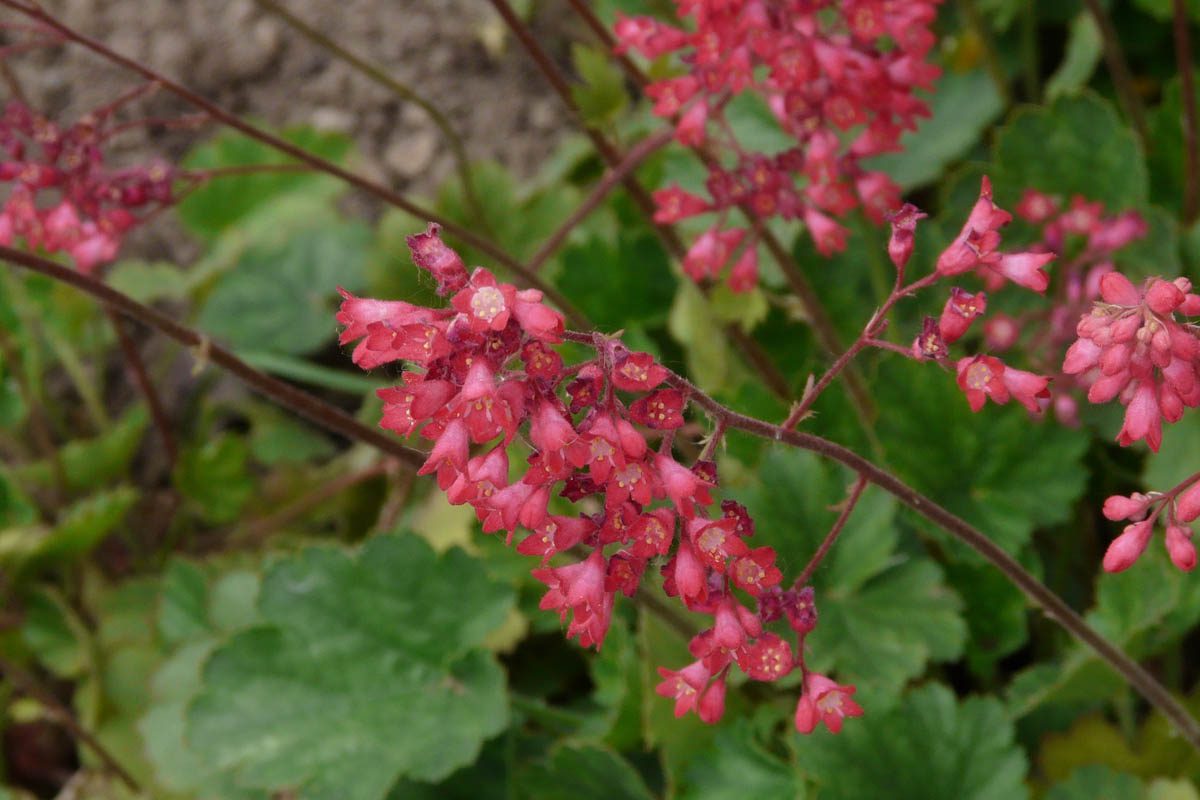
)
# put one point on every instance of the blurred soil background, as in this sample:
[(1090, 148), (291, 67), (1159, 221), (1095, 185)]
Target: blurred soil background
[(454, 53)]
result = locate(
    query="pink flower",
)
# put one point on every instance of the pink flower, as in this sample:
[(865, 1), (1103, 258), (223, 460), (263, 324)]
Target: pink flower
[(684, 685), (1127, 547), (1180, 547), (960, 311), (825, 701)]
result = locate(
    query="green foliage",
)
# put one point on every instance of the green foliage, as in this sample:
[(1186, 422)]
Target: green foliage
[(385, 641), (622, 285), (583, 772), (224, 202), (1087, 783), (280, 298), (930, 747), (601, 97), (1075, 145), (963, 105), (215, 477), (999, 470), (738, 766), (1084, 48)]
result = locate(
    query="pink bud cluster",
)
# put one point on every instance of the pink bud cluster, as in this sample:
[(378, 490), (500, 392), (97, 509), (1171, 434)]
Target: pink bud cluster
[(838, 77), (485, 378), (974, 250), (1132, 348), (1182, 506), (63, 197)]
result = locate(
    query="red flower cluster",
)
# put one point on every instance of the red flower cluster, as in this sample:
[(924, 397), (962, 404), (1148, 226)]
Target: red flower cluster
[(1132, 348), (1182, 506), (837, 76), (487, 376), (91, 206), (980, 377)]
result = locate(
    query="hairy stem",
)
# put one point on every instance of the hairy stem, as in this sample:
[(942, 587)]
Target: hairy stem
[(137, 368), (300, 154), (865, 339), (405, 92), (847, 509), (286, 395), (1118, 68), (1183, 56)]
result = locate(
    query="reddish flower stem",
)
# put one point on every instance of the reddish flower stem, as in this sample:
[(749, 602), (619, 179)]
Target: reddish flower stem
[(865, 339), (1191, 147), (300, 154), (1118, 68), (847, 509), (636, 155), (141, 378), (285, 394)]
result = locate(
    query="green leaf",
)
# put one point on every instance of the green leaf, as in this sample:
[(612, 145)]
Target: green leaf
[(928, 748), (279, 439), (737, 767), (964, 104), (91, 463), (694, 326), (182, 612), (385, 644), (84, 524), (1084, 48), (1167, 159), (215, 477), (883, 615), (1097, 781), (998, 469), (1163, 10), (582, 772), (148, 282), (55, 633), (601, 98), (225, 201), (281, 297), (1076, 145), (617, 286)]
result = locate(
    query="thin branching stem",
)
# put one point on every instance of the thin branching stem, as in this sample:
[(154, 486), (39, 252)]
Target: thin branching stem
[(1191, 145), (337, 421), (1118, 68), (636, 155), (848, 505), (141, 378)]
